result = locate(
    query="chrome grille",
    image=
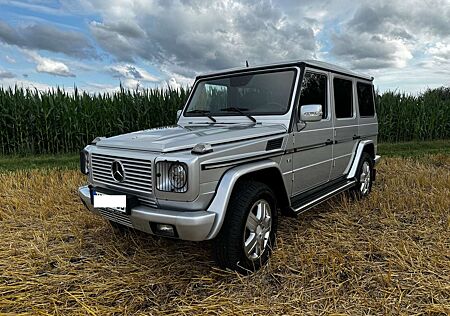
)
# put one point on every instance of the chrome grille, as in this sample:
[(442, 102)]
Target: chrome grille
[(116, 217), (147, 202), (138, 173)]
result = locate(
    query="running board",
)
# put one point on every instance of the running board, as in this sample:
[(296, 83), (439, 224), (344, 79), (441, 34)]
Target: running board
[(313, 200)]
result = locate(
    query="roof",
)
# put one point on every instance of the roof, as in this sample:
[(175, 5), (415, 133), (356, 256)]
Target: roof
[(311, 63)]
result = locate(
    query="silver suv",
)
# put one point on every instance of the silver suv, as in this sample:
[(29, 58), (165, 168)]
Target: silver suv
[(250, 145)]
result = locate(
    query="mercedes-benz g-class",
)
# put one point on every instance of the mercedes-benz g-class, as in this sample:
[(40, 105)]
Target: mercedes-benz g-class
[(250, 145)]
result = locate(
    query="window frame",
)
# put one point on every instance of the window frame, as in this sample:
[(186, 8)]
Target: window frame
[(373, 98), (352, 98), (245, 73), (327, 93)]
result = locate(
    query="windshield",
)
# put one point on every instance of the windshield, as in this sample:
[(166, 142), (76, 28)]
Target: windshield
[(266, 93)]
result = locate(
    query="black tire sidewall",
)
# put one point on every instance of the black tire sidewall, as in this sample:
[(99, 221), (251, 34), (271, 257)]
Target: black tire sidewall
[(230, 251)]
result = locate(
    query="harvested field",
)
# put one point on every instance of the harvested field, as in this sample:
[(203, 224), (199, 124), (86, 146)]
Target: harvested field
[(388, 254)]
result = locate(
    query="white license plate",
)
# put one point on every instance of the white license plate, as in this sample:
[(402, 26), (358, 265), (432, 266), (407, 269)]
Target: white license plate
[(114, 202)]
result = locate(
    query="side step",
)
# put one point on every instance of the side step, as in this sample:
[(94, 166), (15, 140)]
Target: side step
[(303, 204)]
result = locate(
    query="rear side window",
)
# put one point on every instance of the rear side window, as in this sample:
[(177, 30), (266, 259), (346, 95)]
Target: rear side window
[(365, 99), (314, 91), (343, 98)]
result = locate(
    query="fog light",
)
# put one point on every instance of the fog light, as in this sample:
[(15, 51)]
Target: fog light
[(164, 229)]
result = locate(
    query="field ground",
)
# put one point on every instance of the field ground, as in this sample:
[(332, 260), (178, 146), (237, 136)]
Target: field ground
[(388, 254), (71, 161)]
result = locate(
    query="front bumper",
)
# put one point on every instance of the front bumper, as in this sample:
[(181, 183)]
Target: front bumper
[(193, 226)]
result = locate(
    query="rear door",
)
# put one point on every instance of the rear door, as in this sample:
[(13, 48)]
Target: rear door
[(312, 155), (368, 127), (345, 124)]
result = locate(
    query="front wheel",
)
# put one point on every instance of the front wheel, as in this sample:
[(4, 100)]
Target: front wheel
[(247, 237), (364, 177)]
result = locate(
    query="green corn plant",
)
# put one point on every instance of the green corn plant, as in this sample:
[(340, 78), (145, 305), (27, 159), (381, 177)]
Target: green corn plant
[(56, 121)]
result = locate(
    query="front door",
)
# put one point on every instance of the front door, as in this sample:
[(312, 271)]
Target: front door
[(312, 156)]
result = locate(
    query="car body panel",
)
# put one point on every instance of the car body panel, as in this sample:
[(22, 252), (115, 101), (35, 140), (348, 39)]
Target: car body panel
[(312, 157), (184, 137), (305, 157)]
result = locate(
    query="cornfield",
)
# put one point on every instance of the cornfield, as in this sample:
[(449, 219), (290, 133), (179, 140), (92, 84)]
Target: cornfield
[(56, 121), (404, 117)]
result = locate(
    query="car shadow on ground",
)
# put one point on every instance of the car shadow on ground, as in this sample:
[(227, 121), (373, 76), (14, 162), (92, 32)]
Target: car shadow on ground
[(162, 253)]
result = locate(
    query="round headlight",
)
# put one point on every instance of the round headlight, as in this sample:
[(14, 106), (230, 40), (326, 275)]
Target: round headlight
[(177, 175)]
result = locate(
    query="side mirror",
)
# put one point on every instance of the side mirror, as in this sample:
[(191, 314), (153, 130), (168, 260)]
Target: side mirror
[(179, 114), (311, 112)]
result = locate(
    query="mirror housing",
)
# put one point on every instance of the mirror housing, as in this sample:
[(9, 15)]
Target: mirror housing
[(178, 114), (311, 112)]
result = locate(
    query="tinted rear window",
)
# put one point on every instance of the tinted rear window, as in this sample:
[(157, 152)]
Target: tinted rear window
[(343, 98), (365, 99)]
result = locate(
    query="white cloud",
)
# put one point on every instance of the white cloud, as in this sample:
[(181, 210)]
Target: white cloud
[(11, 82), (6, 74), (368, 51), (131, 84), (172, 83), (45, 36), (94, 87), (50, 66), (190, 37), (401, 43), (10, 60), (132, 77), (388, 34), (128, 71), (440, 51)]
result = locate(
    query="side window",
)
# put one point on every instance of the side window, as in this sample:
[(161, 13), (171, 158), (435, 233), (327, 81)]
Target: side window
[(314, 91), (365, 99), (343, 98)]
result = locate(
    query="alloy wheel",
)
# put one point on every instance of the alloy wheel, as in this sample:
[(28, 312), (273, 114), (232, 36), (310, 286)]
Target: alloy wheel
[(257, 229)]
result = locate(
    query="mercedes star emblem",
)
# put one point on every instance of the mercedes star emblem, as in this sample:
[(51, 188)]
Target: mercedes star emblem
[(117, 171)]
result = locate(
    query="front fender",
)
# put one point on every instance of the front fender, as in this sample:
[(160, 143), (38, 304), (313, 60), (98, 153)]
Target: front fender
[(219, 203)]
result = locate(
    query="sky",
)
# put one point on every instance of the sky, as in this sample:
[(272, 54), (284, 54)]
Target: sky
[(98, 45)]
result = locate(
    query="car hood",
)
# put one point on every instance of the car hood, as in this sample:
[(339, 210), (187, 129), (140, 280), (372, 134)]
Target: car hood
[(175, 138)]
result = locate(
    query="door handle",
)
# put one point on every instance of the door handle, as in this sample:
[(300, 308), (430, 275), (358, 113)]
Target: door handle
[(329, 142)]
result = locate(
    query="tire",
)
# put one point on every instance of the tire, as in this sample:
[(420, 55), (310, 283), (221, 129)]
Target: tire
[(258, 230), (364, 177)]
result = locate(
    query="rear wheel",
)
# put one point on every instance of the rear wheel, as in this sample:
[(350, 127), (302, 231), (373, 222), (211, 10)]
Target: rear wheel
[(364, 176), (247, 237)]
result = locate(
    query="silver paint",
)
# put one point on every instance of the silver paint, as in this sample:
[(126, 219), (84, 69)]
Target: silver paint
[(239, 148)]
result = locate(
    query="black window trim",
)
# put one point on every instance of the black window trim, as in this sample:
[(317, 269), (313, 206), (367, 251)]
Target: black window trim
[(244, 73), (354, 114), (373, 98), (327, 99)]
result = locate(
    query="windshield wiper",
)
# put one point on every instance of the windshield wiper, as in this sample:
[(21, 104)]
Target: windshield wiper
[(240, 111), (207, 114)]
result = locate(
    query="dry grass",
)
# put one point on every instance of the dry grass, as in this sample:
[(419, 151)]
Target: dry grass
[(389, 254)]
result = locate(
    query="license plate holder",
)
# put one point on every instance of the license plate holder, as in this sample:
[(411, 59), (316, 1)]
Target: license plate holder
[(115, 199), (131, 200)]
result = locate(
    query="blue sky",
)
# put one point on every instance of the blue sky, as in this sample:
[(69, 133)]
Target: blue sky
[(96, 45)]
